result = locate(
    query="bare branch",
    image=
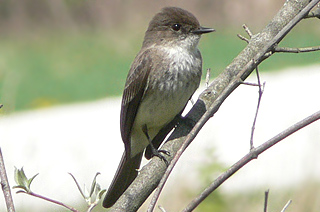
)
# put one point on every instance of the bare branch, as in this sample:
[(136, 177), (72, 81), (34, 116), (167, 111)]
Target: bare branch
[(296, 50), (286, 206), (162, 209), (248, 31), (261, 89), (208, 77), (250, 156), (243, 38), (266, 196), (314, 14), (249, 83), (5, 184), (52, 200)]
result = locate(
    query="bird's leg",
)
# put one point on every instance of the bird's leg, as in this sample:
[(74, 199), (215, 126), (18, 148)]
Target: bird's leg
[(155, 151)]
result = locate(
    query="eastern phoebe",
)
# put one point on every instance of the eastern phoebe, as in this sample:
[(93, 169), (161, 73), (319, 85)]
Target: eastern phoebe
[(163, 77)]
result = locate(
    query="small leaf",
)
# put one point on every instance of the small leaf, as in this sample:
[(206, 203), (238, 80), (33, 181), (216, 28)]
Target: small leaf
[(100, 194), (31, 179), (85, 191), (98, 189), (22, 181), (93, 185)]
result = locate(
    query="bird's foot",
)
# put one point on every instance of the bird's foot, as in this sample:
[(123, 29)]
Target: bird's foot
[(159, 153)]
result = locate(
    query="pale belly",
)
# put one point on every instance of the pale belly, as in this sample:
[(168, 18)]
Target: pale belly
[(167, 92), (157, 110)]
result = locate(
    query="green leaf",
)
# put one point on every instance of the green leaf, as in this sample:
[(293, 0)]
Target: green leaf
[(22, 181), (93, 185), (100, 194)]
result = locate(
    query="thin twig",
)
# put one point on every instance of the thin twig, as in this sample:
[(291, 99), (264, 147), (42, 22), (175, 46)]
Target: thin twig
[(162, 208), (286, 206), (249, 83), (243, 38), (52, 200), (296, 50), (314, 14), (78, 186), (266, 196), (258, 106), (208, 77), (248, 31), (250, 156), (91, 207), (5, 184)]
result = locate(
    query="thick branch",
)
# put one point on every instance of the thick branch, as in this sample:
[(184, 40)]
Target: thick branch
[(211, 99)]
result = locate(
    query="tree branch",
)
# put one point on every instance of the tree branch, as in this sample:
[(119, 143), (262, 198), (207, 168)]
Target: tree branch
[(51, 200), (253, 154), (286, 206), (209, 102), (266, 197), (314, 14), (261, 89), (296, 50), (5, 184)]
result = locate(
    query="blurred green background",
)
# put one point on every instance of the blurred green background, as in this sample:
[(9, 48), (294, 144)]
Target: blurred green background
[(63, 51)]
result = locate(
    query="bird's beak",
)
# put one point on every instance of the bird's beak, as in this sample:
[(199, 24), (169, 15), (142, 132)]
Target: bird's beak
[(203, 30)]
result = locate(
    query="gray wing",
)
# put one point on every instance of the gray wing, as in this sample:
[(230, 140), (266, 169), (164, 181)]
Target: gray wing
[(133, 93)]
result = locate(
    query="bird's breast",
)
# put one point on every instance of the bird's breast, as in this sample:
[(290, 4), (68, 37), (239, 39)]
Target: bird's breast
[(171, 83)]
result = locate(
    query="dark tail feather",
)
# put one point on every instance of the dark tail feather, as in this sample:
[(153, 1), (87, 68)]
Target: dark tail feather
[(126, 173)]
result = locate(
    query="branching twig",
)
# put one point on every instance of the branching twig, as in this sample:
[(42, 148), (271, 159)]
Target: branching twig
[(286, 206), (5, 184), (243, 38), (261, 89), (162, 209), (248, 31), (296, 50), (250, 156), (314, 14), (51, 200), (208, 77), (266, 196)]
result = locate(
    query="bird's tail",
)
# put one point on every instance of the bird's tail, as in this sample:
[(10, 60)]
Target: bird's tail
[(126, 173)]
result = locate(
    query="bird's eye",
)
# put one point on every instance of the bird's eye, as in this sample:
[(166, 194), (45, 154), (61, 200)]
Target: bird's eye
[(176, 27)]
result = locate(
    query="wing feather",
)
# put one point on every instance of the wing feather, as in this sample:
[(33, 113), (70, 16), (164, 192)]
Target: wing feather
[(133, 93)]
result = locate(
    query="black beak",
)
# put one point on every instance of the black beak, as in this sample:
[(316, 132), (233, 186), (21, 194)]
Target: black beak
[(203, 30)]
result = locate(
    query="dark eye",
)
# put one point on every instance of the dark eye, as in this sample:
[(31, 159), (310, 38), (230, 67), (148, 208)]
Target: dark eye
[(176, 27)]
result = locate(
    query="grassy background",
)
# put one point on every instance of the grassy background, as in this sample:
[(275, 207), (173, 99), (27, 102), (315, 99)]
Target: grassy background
[(50, 68)]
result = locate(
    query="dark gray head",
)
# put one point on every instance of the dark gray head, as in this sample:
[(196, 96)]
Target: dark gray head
[(174, 26)]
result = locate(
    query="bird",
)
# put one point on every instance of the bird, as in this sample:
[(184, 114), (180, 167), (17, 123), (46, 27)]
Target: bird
[(162, 78)]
